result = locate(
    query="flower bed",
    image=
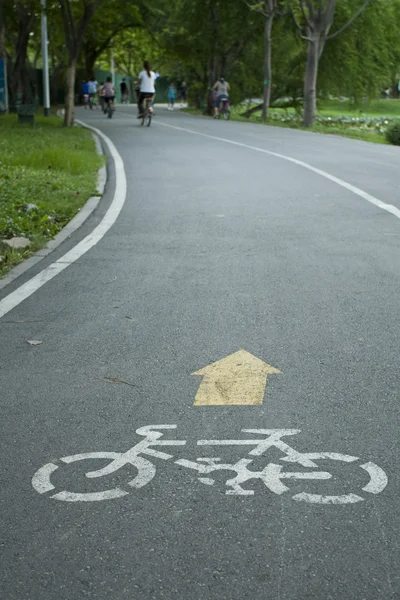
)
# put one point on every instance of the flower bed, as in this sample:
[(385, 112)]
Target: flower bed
[(362, 123)]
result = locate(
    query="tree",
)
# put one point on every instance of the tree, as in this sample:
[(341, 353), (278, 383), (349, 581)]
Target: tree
[(20, 19), (207, 39), (269, 9), (364, 60), (133, 47), (105, 25), (2, 33), (76, 18), (314, 25)]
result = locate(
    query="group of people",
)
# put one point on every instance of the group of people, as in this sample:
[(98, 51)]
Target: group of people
[(172, 94), (101, 94), (146, 88)]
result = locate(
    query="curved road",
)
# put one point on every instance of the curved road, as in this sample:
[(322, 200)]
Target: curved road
[(219, 248)]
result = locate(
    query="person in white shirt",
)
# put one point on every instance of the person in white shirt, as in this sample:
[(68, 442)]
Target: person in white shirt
[(146, 80)]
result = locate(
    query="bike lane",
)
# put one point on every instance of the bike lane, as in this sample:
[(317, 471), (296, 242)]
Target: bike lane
[(205, 262)]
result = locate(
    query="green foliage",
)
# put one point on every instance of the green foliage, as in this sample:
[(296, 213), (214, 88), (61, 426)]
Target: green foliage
[(106, 27), (393, 134), (360, 62), (131, 48), (197, 41), (203, 40)]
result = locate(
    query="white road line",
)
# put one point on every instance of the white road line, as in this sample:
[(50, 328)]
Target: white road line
[(319, 499), (378, 480), (36, 282), (348, 186)]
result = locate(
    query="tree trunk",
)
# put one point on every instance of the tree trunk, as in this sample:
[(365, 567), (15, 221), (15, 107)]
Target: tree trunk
[(19, 81), (267, 65), (70, 94), (2, 33), (252, 110), (56, 80), (3, 55), (310, 81), (90, 61), (132, 88)]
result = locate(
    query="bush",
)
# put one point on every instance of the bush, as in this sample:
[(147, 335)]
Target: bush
[(393, 134)]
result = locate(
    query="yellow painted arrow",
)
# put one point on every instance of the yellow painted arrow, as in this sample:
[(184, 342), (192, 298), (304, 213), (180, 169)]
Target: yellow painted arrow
[(237, 379)]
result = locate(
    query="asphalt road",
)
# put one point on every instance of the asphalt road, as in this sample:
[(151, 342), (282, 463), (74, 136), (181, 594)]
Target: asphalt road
[(218, 248)]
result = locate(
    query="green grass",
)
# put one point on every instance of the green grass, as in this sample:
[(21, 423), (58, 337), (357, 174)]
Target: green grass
[(48, 166), (378, 109), (373, 108)]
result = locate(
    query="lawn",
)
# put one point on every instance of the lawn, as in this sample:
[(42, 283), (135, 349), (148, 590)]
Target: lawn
[(46, 174), (374, 108), (367, 121)]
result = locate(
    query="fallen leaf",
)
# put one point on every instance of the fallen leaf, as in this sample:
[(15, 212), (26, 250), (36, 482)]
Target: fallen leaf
[(34, 342)]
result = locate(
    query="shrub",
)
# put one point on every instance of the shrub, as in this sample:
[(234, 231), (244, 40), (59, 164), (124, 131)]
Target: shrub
[(393, 134)]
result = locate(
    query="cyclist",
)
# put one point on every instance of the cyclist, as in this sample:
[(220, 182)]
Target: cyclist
[(109, 93), (147, 82), (221, 87), (92, 87), (183, 92)]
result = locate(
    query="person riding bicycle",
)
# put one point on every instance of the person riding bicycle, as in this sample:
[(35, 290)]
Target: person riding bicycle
[(147, 81), (109, 92), (221, 87), (92, 87)]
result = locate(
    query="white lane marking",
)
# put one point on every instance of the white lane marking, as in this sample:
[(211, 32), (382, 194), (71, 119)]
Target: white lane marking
[(90, 456), (318, 499), (41, 479), (348, 186), (36, 282), (90, 497), (379, 478)]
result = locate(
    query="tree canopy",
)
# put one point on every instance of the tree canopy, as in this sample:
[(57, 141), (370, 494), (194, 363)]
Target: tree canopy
[(270, 49)]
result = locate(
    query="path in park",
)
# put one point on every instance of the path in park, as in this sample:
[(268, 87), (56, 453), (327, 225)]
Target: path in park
[(220, 249)]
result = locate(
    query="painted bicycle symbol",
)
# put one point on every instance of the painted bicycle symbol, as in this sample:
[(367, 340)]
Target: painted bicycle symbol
[(273, 476)]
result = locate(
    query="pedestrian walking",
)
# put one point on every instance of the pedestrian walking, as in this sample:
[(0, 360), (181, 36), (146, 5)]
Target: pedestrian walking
[(92, 89), (85, 93), (183, 92), (124, 91), (171, 96)]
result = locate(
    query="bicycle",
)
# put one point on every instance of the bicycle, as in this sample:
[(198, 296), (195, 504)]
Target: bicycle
[(108, 107), (148, 112), (225, 110), (272, 476), (92, 101)]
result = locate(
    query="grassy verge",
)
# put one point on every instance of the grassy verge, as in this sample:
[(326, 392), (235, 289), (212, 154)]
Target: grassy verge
[(366, 122), (46, 174)]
